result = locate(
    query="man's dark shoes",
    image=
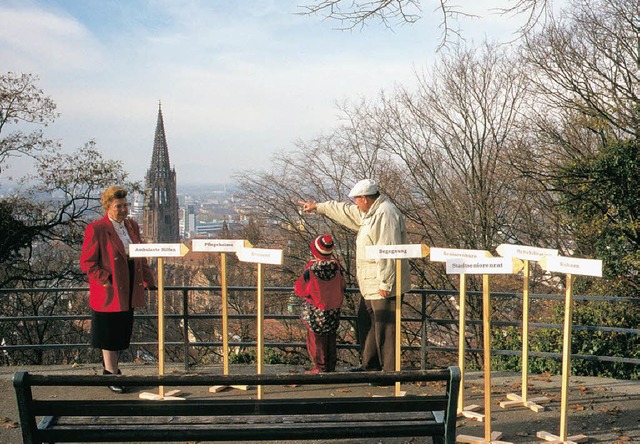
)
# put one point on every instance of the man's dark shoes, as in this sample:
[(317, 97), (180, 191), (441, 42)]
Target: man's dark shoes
[(114, 388)]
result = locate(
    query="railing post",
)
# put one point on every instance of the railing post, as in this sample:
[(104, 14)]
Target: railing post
[(423, 330), (185, 326)]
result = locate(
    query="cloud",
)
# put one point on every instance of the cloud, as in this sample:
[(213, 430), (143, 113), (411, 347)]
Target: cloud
[(34, 38)]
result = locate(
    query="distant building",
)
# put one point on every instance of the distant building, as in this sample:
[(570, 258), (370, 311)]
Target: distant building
[(160, 222), (190, 220), (136, 207)]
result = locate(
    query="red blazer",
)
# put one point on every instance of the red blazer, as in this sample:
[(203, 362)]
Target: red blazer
[(104, 260)]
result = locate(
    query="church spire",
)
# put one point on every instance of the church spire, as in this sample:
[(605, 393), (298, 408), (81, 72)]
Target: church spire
[(160, 165), (160, 214)]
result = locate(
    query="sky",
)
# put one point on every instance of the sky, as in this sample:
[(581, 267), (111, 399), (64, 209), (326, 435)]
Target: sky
[(238, 80)]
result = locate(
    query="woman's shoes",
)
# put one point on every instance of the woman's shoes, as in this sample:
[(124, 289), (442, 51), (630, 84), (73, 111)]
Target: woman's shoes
[(114, 388), (119, 389)]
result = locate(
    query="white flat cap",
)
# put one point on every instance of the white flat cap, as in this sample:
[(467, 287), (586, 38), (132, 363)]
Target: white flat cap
[(366, 187)]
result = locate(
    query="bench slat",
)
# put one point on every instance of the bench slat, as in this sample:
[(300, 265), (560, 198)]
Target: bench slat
[(123, 421), (201, 407), (244, 431)]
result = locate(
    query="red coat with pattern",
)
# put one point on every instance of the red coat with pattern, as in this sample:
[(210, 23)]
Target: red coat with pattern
[(323, 293)]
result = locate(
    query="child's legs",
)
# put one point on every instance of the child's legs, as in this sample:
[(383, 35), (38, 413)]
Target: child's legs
[(318, 349)]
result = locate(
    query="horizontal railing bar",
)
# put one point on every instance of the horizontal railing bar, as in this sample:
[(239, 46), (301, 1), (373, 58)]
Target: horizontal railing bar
[(417, 291), (340, 346)]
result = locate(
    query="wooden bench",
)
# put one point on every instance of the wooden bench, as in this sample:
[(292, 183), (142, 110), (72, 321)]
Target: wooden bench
[(236, 418)]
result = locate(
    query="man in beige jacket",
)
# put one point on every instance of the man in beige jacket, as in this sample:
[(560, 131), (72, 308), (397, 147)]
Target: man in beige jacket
[(378, 222)]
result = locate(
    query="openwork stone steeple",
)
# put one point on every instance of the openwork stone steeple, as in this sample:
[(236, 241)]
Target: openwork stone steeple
[(160, 217)]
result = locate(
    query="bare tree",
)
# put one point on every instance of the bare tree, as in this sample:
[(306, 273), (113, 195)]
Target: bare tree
[(357, 13), (22, 103), (441, 152), (584, 66)]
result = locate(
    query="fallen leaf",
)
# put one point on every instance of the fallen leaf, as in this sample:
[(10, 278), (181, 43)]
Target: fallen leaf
[(576, 407), (613, 411), (11, 425)]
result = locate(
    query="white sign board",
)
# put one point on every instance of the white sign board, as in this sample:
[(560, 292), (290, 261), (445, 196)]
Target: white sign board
[(260, 256), (487, 265), (396, 251), (218, 245), (157, 250), (442, 254), (524, 253), (571, 265)]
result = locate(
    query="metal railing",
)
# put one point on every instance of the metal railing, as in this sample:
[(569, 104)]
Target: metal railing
[(418, 315)]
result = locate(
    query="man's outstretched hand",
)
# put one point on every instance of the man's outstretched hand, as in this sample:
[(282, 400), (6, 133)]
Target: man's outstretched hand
[(307, 207)]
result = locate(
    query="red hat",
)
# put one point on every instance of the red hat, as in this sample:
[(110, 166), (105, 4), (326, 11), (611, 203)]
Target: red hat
[(322, 247)]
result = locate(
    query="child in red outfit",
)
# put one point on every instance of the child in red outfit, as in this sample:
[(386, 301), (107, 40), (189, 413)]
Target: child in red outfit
[(322, 287)]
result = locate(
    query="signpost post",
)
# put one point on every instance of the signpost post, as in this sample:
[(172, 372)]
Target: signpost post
[(526, 254), (441, 255), (397, 252), (159, 251), (569, 266), (222, 246), (260, 256), (485, 266)]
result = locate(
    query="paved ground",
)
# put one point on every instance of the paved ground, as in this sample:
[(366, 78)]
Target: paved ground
[(605, 410)]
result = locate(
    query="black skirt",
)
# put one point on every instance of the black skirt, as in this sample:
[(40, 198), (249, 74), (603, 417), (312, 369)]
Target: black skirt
[(111, 330)]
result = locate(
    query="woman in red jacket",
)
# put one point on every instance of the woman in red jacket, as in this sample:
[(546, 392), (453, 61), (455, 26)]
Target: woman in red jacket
[(322, 286), (116, 281)]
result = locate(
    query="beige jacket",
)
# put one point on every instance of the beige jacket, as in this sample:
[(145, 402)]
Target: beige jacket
[(383, 224)]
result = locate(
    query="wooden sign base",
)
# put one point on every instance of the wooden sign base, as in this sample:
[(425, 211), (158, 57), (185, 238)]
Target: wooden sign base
[(518, 401), (557, 440), (402, 393), (470, 412), (169, 396), (220, 388), (495, 436)]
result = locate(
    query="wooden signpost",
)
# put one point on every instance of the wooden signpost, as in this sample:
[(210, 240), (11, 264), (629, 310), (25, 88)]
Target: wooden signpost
[(261, 257), (441, 255), (159, 251), (397, 252), (526, 254), (222, 246), (485, 266), (569, 266)]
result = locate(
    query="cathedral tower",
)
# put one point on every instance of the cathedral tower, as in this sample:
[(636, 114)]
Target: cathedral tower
[(160, 217)]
